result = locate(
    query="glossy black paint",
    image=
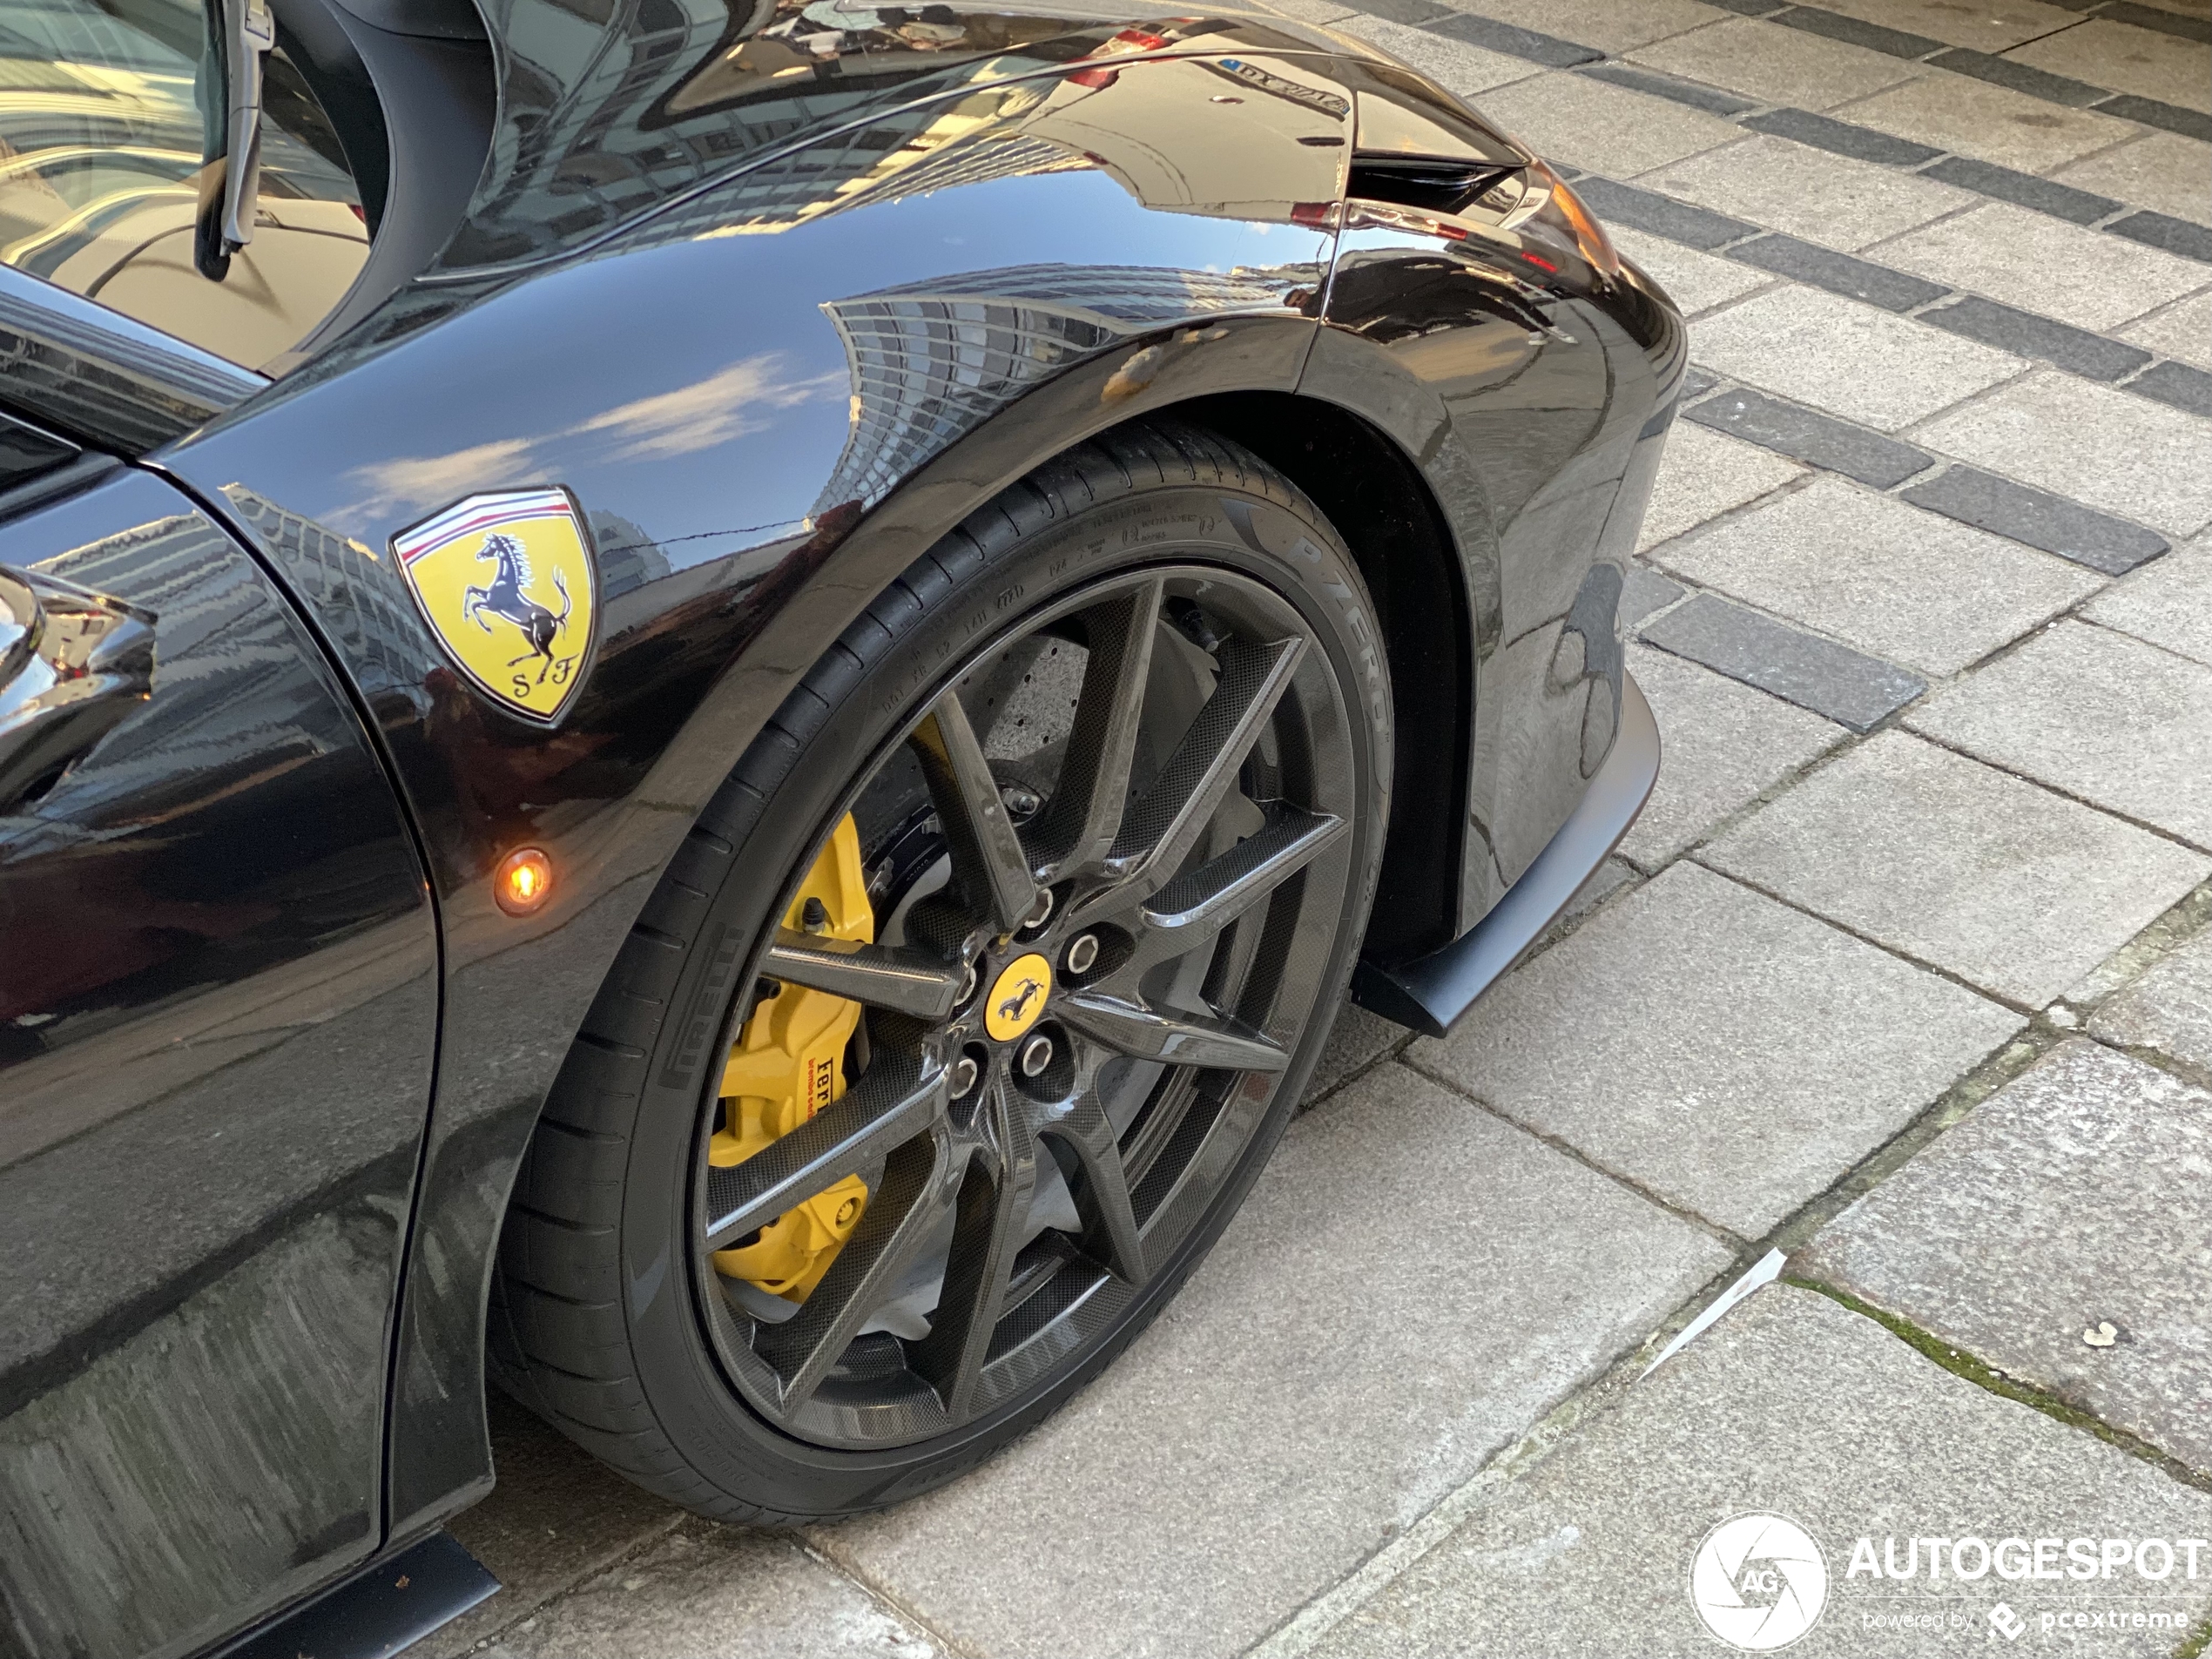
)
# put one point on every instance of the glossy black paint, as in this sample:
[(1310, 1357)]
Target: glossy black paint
[(725, 455), (1538, 409), (781, 310), (217, 1003)]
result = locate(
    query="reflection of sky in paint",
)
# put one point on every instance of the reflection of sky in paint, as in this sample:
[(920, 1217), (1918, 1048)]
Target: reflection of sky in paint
[(771, 384)]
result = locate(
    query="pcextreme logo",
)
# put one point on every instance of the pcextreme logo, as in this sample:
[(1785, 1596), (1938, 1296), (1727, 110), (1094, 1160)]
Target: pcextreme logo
[(1758, 1581)]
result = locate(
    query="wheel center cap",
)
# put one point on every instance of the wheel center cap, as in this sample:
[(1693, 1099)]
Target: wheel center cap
[(1018, 997)]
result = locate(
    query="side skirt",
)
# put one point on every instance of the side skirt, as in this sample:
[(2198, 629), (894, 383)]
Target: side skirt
[(390, 1604), (1431, 993)]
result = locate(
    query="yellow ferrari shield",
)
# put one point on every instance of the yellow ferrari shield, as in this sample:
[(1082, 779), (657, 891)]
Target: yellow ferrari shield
[(506, 583)]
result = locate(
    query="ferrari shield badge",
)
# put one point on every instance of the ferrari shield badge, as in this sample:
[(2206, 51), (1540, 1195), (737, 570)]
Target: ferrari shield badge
[(506, 583)]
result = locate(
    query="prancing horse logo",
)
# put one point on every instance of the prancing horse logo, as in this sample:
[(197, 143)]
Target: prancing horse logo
[(1014, 1006), (1018, 996), (541, 583), (505, 598)]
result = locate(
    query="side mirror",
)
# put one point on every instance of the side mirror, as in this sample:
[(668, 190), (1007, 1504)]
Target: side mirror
[(240, 34)]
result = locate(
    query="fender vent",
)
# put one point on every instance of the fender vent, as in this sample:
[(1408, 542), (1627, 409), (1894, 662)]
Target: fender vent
[(1431, 184)]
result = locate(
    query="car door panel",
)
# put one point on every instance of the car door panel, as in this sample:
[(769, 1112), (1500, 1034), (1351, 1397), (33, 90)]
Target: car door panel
[(217, 1017)]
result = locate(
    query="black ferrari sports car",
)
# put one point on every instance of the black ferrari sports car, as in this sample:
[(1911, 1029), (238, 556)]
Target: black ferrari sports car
[(702, 704)]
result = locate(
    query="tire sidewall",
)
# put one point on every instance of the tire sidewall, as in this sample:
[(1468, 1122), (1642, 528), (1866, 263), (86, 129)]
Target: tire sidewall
[(782, 799)]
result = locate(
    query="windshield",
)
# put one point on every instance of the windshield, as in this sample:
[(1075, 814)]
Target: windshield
[(102, 139)]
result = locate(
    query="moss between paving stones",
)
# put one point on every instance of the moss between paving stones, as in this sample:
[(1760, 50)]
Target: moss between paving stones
[(1959, 1363)]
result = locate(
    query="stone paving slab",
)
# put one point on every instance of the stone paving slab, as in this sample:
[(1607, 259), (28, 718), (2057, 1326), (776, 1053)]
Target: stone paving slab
[(1724, 1051), (2105, 448), (1572, 118), (1468, 71), (1926, 591), (2168, 602), (2126, 59), (1704, 474), (2044, 265), (2168, 1009), (2060, 1204), (1992, 123), (2112, 546), (556, 1515), (711, 1589), (1643, 592), (1756, 59), (1794, 1406), (1693, 281), (1790, 429), (1723, 744), (2010, 886), (1866, 365), (1827, 199), (1357, 1039), (1410, 1284), (2158, 170), (2120, 723), (1834, 681), (1989, 26), (1609, 25)]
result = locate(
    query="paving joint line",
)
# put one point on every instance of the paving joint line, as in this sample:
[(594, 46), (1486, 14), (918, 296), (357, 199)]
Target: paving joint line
[(2157, 229), (2010, 771), (1309, 1624), (2106, 562), (1306, 1627), (1971, 1367), (1734, 1242), (1947, 308), (2003, 999), (605, 1563), (894, 1606)]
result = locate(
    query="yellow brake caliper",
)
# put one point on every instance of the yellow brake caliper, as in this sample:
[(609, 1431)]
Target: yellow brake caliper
[(787, 1063)]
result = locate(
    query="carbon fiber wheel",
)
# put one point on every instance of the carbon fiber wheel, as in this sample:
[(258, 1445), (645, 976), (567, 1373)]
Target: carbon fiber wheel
[(1077, 1029), (974, 1005)]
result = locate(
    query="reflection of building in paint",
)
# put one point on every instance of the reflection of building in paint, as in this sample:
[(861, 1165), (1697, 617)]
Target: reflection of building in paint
[(932, 361), (910, 152), (628, 558), (599, 123)]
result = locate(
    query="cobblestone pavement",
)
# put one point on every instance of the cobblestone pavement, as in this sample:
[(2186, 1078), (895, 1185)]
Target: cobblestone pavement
[(1905, 975)]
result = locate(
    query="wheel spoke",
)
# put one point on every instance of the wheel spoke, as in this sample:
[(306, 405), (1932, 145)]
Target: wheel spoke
[(1163, 826), (994, 1199), (1085, 815), (906, 981), (1198, 905), (988, 865), (900, 1215), (1102, 1196), (880, 1112), (1179, 1039)]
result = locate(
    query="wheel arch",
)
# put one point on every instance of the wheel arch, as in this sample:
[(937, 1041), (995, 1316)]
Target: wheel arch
[(1374, 495)]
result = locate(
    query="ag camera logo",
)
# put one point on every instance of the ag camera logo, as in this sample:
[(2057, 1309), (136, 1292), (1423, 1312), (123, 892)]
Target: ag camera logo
[(1758, 1581)]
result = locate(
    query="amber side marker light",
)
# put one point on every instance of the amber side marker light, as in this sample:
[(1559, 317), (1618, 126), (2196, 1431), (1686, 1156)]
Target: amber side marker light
[(523, 881)]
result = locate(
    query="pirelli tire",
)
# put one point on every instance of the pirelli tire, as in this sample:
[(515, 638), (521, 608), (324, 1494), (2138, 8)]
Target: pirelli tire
[(608, 1319)]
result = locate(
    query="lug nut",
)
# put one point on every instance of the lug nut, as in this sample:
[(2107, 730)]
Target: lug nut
[(967, 984), (1021, 803), (1082, 955), (1041, 911), (963, 1077), (1036, 1055)]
